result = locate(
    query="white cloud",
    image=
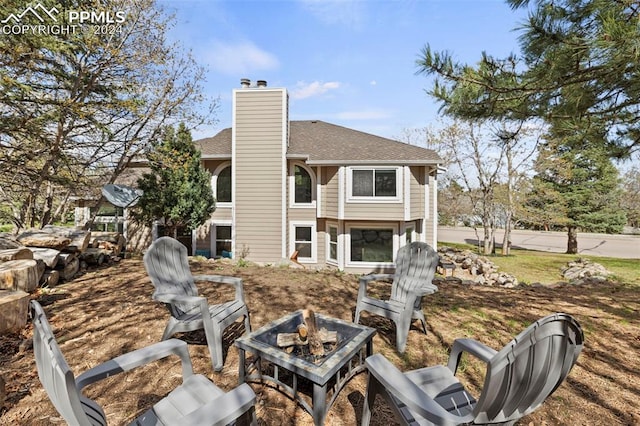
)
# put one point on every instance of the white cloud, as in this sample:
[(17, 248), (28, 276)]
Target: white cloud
[(239, 58), (306, 90), (373, 82)]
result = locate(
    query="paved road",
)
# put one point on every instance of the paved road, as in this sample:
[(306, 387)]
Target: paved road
[(620, 246)]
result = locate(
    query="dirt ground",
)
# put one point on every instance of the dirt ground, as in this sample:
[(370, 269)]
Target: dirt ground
[(109, 311)]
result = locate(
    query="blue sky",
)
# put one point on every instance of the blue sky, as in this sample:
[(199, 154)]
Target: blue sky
[(347, 62)]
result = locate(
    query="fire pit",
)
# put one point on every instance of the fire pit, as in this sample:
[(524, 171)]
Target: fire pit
[(293, 370)]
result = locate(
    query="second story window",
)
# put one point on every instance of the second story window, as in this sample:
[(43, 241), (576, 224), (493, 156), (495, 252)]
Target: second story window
[(223, 186), (374, 183), (303, 186)]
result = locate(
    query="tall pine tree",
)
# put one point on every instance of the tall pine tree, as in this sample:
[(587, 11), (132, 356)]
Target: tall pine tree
[(177, 191), (580, 186)]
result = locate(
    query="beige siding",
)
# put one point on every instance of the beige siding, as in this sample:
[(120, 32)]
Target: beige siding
[(417, 192), (321, 238), (373, 211), (430, 218), (329, 197), (222, 214), (258, 169)]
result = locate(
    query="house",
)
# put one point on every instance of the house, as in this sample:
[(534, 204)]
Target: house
[(315, 192)]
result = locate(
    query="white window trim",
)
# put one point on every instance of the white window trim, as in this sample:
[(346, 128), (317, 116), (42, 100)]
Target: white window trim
[(336, 261), (212, 234), (356, 199), (314, 240), (347, 244), (414, 234), (292, 186), (214, 184)]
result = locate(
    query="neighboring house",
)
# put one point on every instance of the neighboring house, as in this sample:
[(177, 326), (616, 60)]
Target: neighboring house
[(313, 191)]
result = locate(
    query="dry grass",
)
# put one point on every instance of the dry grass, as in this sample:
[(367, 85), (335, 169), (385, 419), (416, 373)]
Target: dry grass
[(109, 311)]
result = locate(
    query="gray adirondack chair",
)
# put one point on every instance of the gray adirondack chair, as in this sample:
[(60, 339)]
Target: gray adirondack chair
[(415, 267), (196, 402), (168, 267), (518, 378)]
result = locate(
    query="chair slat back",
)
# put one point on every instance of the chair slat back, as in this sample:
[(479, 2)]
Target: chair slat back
[(529, 369), (415, 268), (57, 378), (167, 264)]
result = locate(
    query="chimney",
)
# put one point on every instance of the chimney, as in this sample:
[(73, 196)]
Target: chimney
[(245, 83), (261, 83)]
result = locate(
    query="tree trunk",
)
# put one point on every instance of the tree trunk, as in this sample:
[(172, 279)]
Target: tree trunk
[(506, 240), (572, 242)]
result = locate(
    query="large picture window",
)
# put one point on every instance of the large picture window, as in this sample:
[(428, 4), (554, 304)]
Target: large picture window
[(371, 245), (377, 183)]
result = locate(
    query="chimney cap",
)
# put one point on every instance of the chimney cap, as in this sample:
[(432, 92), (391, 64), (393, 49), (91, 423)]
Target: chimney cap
[(245, 82), (261, 83)]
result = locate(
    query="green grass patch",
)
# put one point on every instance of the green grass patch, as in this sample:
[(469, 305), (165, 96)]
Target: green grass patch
[(531, 266)]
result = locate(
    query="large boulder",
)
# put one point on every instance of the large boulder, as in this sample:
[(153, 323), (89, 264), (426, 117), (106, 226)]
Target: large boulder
[(582, 270)]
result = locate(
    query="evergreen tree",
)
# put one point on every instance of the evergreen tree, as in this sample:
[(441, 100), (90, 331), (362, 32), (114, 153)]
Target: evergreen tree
[(580, 63), (576, 188), (177, 191)]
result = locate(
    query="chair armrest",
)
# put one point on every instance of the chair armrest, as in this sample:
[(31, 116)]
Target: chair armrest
[(224, 409), (366, 279), (409, 393), (375, 277), (138, 358), (473, 347), (176, 298), (426, 289), (234, 281)]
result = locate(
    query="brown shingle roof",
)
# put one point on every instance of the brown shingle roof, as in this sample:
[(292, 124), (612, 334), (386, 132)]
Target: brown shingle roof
[(319, 142)]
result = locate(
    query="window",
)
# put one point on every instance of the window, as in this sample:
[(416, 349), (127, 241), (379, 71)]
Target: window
[(109, 218), (223, 185), (303, 186), (374, 183), (223, 241), (332, 240), (371, 245), (408, 234), (302, 239)]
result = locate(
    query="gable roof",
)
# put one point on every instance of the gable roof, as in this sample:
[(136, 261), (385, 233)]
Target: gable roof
[(322, 143)]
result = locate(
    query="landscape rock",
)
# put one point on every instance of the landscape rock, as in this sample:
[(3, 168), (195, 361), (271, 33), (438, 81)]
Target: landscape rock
[(583, 269), (476, 269)]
